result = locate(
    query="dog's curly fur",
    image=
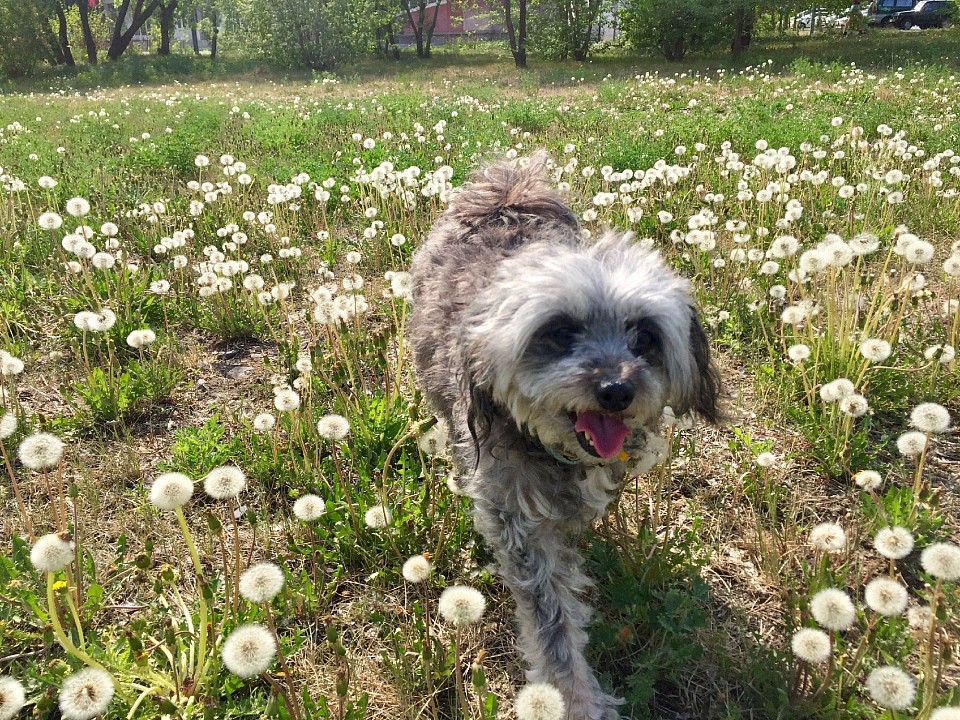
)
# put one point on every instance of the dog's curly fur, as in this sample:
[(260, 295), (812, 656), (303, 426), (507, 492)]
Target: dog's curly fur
[(550, 358)]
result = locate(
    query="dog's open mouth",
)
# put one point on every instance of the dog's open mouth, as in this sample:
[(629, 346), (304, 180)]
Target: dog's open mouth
[(599, 434)]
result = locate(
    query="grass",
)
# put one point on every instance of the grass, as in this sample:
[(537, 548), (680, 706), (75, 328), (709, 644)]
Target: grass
[(273, 279)]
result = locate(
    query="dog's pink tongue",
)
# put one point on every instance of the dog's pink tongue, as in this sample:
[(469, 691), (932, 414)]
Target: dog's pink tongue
[(606, 431)]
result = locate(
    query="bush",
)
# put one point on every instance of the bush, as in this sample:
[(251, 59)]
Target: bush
[(23, 46), (312, 33), (675, 27)]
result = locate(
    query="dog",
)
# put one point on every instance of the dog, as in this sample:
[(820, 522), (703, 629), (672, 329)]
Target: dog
[(551, 359)]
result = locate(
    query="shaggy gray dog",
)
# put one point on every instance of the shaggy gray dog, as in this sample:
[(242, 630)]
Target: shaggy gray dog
[(550, 359)]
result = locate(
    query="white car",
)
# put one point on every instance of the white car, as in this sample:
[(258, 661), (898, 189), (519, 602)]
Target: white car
[(825, 18)]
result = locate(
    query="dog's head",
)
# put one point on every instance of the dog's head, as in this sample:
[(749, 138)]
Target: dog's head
[(585, 345)]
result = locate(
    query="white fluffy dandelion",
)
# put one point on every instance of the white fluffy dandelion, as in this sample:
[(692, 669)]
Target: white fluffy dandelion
[(811, 645), (51, 553), (891, 687), (912, 443), (333, 427), (41, 451), (868, 480), (264, 422), (49, 221), (828, 537), (309, 508), (854, 405), (260, 583), (8, 425), (798, 353), (930, 418), (875, 350), (12, 697), (224, 482), (249, 650), (946, 713), (893, 542), (286, 399), (86, 694), (461, 605), (942, 560), (78, 207), (417, 569), (379, 516), (833, 609), (10, 366), (171, 491), (886, 596), (539, 701), (139, 339)]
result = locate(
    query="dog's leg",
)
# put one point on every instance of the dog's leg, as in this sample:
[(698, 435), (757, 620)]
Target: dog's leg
[(545, 577)]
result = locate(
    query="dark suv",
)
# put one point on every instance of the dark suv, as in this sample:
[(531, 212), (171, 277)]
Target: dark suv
[(927, 14), (881, 12)]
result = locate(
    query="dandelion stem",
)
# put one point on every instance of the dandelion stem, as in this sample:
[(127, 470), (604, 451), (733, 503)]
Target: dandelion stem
[(66, 643), (293, 704), (198, 569)]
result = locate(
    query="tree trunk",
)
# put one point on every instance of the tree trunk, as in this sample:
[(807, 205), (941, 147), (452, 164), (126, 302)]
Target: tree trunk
[(62, 37), (53, 43), (88, 40), (430, 28), (194, 35), (517, 35), (122, 38), (166, 26), (215, 33)]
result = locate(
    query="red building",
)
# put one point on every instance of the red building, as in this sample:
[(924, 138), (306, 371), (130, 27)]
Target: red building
[(468, 19)]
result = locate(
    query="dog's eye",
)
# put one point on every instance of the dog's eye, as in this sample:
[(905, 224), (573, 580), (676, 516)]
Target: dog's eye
[(644, 339), (559, 336)]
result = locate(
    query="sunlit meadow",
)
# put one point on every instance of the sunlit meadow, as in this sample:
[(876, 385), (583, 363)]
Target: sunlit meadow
[(222, 494)]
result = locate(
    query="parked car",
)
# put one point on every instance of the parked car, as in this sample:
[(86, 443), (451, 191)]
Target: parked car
[(825, 18), (881, 12), (927, 14)]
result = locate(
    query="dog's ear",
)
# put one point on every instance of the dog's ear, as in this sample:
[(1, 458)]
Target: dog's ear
[(704, 397), (480, 413)]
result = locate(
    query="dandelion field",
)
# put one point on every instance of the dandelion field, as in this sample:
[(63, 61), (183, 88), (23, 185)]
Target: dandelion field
[(223, 496)]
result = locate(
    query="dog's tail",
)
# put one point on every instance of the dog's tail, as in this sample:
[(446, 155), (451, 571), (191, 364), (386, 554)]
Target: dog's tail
[(511, 192)]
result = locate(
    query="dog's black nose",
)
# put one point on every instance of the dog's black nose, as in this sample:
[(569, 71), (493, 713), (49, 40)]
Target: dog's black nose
[(615, 395)]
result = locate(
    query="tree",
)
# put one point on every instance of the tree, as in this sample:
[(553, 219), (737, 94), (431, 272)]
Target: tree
[(563, 29), (517, 32), (91, 45), (121, 39), (167, 10), (422, 28), (318, 34), (25, 41)]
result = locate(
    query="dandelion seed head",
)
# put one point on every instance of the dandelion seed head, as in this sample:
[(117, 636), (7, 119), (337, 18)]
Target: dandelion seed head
[(798, 353), (868, 480), (854, 405), (8, 425), (912, 443), (171, 491), (461, 605), (930, 418), (417, 569), (78, 207), (86, 694), (51, 553), (139, 339), (893, 542), (539, 701), (224, 482), (920, 618), (50, 221), (264, 422), (811, 645), (941, 713), (875, 349), (891, 687), (286, 399), (378, 516), (10, 366), (833, 609), (942, 560), (434, 440), (333, 427), (886, 596), (828, 537), (41, 451), (260, 583), (12, 697), (309, 507), (249, 650)]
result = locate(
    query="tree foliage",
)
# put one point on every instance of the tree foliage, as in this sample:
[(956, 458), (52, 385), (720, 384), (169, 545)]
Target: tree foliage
[(25, 40), (562, 29), (319, 34), (675, 27)]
